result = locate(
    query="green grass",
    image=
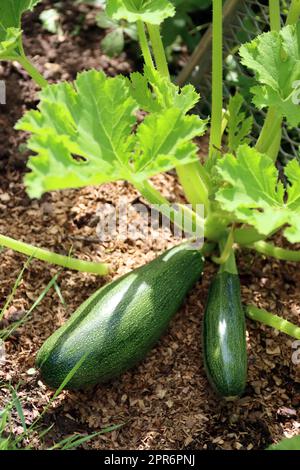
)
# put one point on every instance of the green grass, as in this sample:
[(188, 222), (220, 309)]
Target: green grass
[(36, 432), (13, 411)]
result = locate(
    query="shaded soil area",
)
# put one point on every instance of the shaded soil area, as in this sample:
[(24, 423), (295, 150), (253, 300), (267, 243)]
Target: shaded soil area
[(165, 402)]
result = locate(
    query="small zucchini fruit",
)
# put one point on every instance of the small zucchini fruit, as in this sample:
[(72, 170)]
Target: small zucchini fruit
[(224, 335)]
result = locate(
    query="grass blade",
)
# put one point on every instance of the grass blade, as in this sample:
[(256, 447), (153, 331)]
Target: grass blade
[(14, 289), (18, 406), (60, 296), (76, 440), (8, 331)]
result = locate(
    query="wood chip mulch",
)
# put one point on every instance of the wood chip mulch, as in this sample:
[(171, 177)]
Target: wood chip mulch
[(165, 402)]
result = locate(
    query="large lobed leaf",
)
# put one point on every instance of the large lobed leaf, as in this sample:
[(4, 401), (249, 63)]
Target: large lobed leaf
[(149, 11), (87, 134), (275, 59), (254, 194), (12, 10), (154, 93), (10, 25)]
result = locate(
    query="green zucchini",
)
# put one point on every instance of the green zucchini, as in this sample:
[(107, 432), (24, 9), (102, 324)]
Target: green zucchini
[(120, 323), (224, 336)]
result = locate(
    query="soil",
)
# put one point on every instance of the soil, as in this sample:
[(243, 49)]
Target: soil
[(165, 402)]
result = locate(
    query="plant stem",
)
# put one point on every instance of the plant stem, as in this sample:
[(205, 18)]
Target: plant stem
[(294, 12), (54, 258), (269, 132), (269, 249), (274, 148), (32, 71), (217, 78), (158, 50), (275, 18), (273, 122), (144, 44), (195, 182), (274, 321), (226, 248), (230, 264), (193, 178), (214, 225), (182, 217)]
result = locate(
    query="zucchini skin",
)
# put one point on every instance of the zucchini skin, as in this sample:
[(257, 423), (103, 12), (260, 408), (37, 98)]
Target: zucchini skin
[(121, 322), (224, 336)]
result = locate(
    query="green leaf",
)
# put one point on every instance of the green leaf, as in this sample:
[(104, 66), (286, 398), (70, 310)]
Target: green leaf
[(275, 59), (12, 10), (172, 144), (9, 42), (86, 134), (82, 134), (239, 127), (287, 444), (254, 194), (149, 11), (10, 26), (113, 43), (155, 93)]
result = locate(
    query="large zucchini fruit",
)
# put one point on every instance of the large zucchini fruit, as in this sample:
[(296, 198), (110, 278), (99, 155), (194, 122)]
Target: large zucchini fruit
[(120, 323), (224, 336)]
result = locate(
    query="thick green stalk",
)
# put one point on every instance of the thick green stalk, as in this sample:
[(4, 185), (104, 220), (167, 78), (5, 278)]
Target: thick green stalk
[(154, 197), (192, 177), (294, 12), (275, 146), (32, 71), (195, 182), (274, 321), (271, 130), (270, 137), (269, 249), (54, 258), (217, 79), (144, 44), (158, 50), (275, 18), (178, 217)]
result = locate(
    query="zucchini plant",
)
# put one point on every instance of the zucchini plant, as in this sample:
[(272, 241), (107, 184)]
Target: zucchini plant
[(87, 133)]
